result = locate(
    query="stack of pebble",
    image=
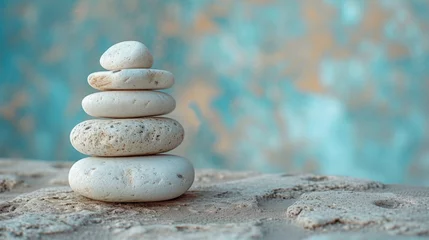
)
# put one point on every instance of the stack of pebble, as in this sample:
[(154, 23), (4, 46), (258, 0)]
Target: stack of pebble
[(125, 164)]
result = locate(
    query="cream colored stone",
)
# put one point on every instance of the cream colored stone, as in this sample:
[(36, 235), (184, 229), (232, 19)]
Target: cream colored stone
[(128, 54), (131, 79), (126, 137), (132, 179), (128, 104)]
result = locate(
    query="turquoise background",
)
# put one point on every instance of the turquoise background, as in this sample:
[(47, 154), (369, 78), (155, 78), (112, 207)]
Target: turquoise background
[(332, 87)]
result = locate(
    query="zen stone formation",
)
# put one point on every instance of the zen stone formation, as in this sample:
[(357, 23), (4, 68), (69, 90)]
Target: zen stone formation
[(125, 164)]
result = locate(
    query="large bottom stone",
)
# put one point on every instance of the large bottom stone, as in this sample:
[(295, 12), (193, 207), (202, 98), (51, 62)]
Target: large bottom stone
[(132, 179)]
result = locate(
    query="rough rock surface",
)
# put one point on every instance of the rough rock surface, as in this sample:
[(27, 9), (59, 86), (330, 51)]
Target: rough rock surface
[(394, 212), (8, 182), (220, 205), (126, 137)]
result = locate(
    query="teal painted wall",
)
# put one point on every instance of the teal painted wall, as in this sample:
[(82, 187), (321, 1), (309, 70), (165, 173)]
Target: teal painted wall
[(333, 86)]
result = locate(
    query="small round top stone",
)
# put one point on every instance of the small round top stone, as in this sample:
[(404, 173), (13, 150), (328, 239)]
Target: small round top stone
[(126, 55)]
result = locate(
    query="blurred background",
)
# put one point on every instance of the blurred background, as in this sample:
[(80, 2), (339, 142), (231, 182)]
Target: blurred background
[(332, 87)]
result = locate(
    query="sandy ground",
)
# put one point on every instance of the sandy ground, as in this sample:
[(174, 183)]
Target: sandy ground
[(36, 203)]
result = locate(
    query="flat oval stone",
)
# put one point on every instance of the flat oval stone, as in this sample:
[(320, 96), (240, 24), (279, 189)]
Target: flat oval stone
[(128, 54), (126, 137), (132, 179), (131, 79), (128, 104)]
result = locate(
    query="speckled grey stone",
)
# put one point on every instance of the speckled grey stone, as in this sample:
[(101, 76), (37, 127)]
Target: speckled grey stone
[(131, 79), (128, 54), (126, 137), (128, 104)]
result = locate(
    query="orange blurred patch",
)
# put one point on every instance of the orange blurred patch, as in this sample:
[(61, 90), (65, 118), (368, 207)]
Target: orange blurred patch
[(26, 124), (198, 92), (372, 24), (220, 10), (19, 100), (204, 24), (396, 51), (54, 54), (81, 11), (169, 27), (310, 84), (311, 49)]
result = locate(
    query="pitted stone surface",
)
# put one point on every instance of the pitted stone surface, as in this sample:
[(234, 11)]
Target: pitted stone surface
[(126, 137), (223, 204)]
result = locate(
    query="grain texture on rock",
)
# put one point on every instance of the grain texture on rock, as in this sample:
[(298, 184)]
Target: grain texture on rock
[(126, 137)]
